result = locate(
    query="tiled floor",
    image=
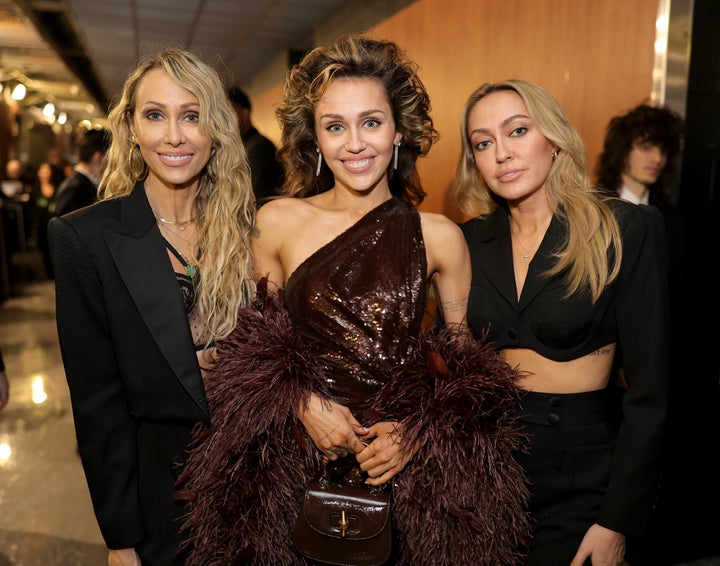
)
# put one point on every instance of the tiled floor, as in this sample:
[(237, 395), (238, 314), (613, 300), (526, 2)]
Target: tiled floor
[(46, 518)]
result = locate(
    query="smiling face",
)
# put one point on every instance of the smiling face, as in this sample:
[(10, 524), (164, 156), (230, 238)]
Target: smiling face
[(511, 154), (166, 124), (355, 133)]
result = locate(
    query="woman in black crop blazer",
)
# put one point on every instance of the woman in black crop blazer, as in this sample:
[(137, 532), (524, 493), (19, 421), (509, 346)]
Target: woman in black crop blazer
[(135, 325), (566, 282)]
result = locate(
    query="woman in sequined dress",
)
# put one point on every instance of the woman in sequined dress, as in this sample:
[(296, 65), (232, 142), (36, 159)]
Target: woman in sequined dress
[(339, 365)]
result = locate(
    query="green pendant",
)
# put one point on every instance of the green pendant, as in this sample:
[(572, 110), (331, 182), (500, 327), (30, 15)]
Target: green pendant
[(191, 270)]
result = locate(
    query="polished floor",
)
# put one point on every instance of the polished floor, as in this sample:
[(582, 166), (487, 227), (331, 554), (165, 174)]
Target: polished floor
[(46, 517)]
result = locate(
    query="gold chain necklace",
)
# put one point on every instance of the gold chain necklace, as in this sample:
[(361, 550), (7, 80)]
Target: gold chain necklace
[(190, 267), (179, 223), (526, 253)]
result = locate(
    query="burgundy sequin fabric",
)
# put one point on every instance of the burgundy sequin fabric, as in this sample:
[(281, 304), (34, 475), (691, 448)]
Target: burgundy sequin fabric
[(360, 300)]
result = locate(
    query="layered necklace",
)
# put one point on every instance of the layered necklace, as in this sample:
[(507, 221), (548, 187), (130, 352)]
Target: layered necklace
[(167, 229), (182, 224)]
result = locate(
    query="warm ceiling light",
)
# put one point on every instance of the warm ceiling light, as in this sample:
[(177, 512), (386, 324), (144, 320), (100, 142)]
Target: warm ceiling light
[(18, 92), (48, 110), (62, 118)]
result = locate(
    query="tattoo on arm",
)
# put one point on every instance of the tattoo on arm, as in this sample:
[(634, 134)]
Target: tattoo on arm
[(453, 306), (601, 352)]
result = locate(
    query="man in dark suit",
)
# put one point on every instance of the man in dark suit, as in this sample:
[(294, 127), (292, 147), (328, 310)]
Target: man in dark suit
[(80, 188), (266, 170)]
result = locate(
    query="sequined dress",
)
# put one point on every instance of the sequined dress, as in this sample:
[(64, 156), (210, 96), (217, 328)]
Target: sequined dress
[(349, 327), (360, 299)]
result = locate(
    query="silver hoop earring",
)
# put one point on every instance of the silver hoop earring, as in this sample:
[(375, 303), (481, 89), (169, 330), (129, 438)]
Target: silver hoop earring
[(319, 163), (396, 152)]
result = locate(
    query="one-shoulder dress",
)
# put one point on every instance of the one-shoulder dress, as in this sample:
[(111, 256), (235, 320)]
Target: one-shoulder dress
[(349, 326)]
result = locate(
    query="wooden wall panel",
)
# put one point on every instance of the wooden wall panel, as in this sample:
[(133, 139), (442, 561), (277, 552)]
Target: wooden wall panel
[(595, 57)]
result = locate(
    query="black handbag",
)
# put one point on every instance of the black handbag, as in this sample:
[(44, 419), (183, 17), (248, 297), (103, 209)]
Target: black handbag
[(342, 519)]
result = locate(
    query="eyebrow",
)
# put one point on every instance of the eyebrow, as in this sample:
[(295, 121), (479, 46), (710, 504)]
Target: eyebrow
[(504, 123), (362, 114), (163, 104)]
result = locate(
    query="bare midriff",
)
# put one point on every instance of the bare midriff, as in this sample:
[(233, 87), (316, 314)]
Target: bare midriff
[(588, 373)]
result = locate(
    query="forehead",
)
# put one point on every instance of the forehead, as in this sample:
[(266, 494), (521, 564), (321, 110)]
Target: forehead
[(157, 85), (349, 95), (497, 106)]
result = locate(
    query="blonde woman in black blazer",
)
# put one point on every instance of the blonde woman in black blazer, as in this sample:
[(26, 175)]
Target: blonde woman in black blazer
[(567, 284), (136, 325)]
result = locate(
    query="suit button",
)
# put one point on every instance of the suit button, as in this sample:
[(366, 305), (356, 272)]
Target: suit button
[(555, 402), (554, 419)]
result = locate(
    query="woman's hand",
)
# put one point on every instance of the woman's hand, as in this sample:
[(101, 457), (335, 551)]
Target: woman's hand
[(333, 428), (603, 546), (123, 557), (384, 457)]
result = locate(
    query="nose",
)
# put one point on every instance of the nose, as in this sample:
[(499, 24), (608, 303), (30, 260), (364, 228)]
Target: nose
[(658, 155), (174, 134), (355, 142), (502, 153)]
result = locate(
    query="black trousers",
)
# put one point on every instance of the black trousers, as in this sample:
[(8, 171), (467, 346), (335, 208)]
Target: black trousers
[(572, 437)]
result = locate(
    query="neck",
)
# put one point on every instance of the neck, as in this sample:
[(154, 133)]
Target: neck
[(171, 205), (634, 186)]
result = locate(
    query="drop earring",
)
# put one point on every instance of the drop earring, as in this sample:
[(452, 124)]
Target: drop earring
[(319, 163), (396, 152), (556, 152)]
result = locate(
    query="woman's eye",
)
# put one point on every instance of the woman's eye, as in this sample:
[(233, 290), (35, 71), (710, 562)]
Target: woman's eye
[(154, 115), (334, 128), (482, 145), (192, 118), (372, 123), (519, 131)]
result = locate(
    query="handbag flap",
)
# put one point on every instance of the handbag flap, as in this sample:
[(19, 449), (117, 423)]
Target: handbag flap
[(366, 511)]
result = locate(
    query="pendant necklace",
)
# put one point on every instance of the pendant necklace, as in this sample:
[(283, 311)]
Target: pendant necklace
[(525, 252), (190, 268)]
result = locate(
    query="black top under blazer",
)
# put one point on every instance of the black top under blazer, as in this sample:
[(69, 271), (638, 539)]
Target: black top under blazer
[(127, 350), (631, 312)]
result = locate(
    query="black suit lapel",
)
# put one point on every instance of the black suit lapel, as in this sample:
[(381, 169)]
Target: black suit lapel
[(541, 262), (493, 254), (140, 255)]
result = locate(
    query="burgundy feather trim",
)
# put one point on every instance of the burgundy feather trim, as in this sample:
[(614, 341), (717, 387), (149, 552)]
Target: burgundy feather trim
[(462, 499), (245, 474), (459, 501)]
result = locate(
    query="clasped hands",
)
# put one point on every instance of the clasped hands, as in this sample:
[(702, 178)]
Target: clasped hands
[(337, 433)]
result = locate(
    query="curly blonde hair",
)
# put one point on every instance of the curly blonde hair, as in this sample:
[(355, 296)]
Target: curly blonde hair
[(593, 249), (354, 56), (225, 206)]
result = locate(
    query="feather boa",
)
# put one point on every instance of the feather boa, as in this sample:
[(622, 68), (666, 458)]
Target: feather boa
[(460, 500)]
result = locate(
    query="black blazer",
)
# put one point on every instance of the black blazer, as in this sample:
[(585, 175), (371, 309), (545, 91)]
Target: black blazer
[(129, 358), (77, 191)]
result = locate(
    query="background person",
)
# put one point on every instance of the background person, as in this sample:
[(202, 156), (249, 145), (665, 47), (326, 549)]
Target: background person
[(562, 281), (80, 188), (345, 363), (265, 167), (640, 154), (145, 280)]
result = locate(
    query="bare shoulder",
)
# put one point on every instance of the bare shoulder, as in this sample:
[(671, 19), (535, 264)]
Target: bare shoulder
[(439, 229), (281, 215)]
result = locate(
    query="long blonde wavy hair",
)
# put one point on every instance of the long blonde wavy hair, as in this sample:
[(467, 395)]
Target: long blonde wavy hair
[(593, 249), (224, 204)]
